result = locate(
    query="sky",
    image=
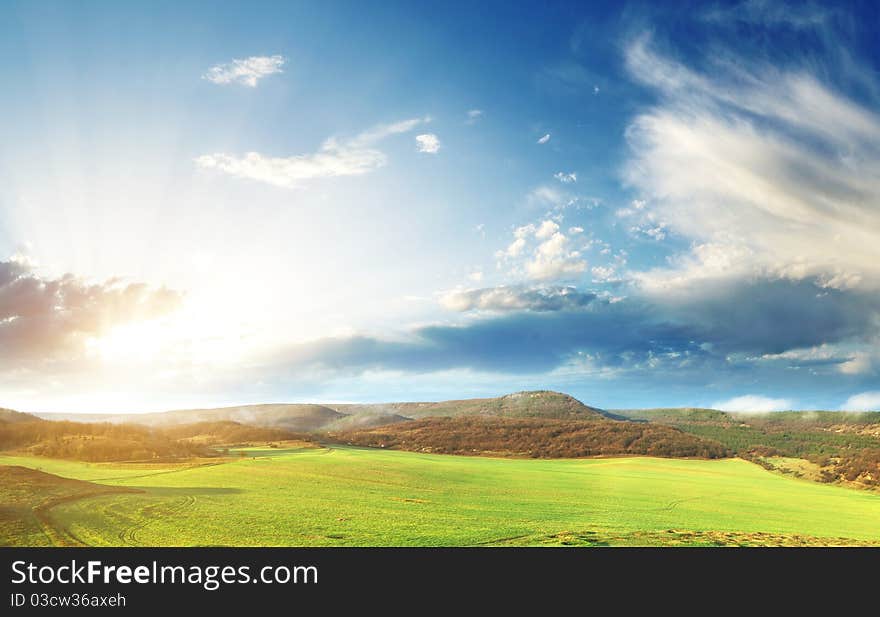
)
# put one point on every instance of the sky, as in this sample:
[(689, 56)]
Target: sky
[(639, 204)]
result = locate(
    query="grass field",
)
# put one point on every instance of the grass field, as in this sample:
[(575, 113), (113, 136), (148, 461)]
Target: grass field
[(359, 497)]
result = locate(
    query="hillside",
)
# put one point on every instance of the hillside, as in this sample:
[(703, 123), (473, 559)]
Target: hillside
[(844, 446), (10, 416), (293, 417), (534, 437), (377, 497), (225, 432), (96, 442), (534, 404), (27, 495), (104, 442), (675, 415), (364, 419), (313, 417)]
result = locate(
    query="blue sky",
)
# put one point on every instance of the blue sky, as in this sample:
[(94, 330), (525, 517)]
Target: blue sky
[(639, 204)]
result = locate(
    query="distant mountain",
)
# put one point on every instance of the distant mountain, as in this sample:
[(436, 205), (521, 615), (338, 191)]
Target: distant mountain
[(337, 417), (293, 417), (531, 404)]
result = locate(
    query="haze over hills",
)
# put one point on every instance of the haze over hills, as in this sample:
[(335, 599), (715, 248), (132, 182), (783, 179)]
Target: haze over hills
[(292, 416), (313, 417)]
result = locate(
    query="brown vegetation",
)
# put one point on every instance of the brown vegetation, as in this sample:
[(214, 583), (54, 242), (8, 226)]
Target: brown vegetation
[(99, 442), (226, 433), (534, 437), (94, 442)]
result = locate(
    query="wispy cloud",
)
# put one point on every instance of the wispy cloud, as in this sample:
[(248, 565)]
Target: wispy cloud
[(473, 115), (245, 71), (737, 159), (768, 12), (544, 139), (428, 143), (566, 178), (335, 158)]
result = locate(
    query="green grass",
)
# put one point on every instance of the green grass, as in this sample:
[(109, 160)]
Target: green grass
[(359, 497)]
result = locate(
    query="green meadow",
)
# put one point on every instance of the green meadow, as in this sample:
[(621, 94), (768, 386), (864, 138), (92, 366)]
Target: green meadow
[(362, 497)]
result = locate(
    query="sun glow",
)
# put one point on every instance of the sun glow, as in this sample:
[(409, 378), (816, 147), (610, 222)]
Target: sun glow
[(139, 341)]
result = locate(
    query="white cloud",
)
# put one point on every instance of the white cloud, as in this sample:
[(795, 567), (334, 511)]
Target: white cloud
[(566, 178), (553, 259), (866, 401), (381, 131), (428, 143), (603, 274), (860, 363), (549, 255), (350, 158), (515, 248), (752, 403), (473, 115), (770, 171), (544, 139), (245, 71), (546, 229), (575, 230)]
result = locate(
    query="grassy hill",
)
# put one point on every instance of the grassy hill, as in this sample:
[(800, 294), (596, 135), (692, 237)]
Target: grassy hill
[(676, 415), (368, 497), (26, 497), (844, 446)]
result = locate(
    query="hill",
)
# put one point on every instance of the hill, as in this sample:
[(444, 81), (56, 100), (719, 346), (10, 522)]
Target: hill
[(96, 442), (534, 437), (375, 497), (674, 415), (10, 416), (534, 404), (363, 419), (293, 417), (226, 432), (312, 417), (844, 446), (27, 495)]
